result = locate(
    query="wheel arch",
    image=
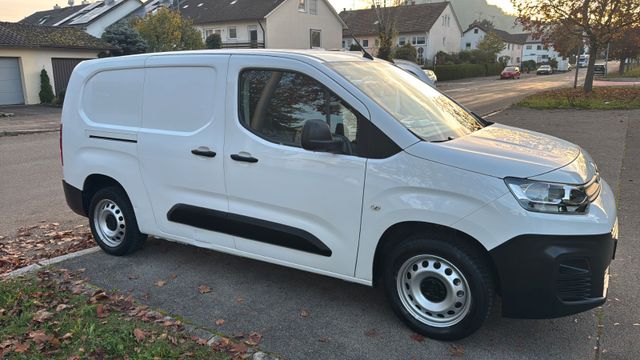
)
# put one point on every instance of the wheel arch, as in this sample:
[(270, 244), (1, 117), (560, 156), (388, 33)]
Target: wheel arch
[(93, 183), (399, 231)]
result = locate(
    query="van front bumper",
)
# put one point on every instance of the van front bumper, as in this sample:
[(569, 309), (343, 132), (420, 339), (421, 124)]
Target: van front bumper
[(547, 276)]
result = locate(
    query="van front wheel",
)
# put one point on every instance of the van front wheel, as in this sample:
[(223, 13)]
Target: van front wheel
[(441, 288), (113, 222)]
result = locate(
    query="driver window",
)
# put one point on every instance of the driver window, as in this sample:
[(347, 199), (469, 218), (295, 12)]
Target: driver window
[(276, 104)]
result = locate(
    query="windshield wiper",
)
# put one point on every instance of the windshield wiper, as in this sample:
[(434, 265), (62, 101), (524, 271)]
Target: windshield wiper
[(442, 140)]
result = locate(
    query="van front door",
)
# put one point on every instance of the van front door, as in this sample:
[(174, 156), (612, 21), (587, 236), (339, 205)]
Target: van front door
[(181, 145), (287, 204)]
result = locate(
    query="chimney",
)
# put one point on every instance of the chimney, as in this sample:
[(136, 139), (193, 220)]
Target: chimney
[(56, 7), (70, 2)]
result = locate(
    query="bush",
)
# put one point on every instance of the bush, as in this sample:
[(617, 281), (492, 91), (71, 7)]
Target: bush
[(214, 41), (459, 71), (493, 69), (125, 38), (406, 52), (354, 47), (530, 65), (59, 99), (46, 91)]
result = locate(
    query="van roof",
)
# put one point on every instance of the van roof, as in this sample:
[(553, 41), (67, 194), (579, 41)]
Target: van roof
[(314, 55)]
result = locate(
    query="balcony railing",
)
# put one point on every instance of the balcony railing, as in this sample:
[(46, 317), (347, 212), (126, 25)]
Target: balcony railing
[(243, 45)]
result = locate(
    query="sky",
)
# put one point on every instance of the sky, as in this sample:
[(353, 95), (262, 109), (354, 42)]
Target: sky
[(15, 10)]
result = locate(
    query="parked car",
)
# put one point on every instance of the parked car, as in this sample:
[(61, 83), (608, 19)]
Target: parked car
[(544, 70), (599, 69), (510, 72), (427, 76), (343, 166)]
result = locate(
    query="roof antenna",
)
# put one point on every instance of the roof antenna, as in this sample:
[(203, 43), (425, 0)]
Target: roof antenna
[(365, 54)]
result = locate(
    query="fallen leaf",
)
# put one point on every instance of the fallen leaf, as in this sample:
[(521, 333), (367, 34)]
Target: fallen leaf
[(39, 336), (100, 311), (204, 289), (323, 339), (66, 336), (239, 348), (304, 313), (139, 334), (220, 322), (456, 350), (2, 311), (133, 277), (21, 348), (239, 300), (62, 307), (371, 333), (161, 283), (254, 339), (238, 335), (42, 316), (417, 337)]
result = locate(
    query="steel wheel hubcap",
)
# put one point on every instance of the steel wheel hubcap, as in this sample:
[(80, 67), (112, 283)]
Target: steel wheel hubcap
[(109, 223), (433, 290)]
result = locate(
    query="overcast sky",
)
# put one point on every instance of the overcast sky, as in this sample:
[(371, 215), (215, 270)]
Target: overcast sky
[(14, 10)]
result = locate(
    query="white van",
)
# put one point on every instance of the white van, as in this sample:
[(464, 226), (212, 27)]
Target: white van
[(339, 165)]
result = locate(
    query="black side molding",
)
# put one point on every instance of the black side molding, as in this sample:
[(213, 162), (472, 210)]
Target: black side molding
[(112, 138), (74, 198), (248, 227)]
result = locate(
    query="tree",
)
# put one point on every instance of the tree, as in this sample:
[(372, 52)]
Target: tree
[(406, 52), (166, 30), (214, 41), (504, 60), (484, 23), (125, 38), (596, 21), (626, 47), (553, 62), (46, 91), (491, 44), (386, 26)]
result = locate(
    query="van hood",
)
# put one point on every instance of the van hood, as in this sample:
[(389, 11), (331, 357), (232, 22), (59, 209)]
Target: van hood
[(505, 151)]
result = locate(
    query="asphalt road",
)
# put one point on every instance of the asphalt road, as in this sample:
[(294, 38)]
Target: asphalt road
[(489, 94), (348, 321)]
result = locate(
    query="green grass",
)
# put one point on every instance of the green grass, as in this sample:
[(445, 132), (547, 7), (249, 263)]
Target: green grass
[(633, 73), (87, 334), (601, 98)]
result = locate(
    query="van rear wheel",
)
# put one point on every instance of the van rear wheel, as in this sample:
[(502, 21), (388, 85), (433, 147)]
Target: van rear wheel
[(113, 222), (439, 286)]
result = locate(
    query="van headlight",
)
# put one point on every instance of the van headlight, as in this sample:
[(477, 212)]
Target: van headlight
[(553, 198)]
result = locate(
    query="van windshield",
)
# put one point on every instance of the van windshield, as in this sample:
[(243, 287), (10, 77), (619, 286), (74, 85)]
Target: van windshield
[(419, 107)]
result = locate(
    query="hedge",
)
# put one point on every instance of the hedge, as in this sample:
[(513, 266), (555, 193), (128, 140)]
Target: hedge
[(461, 71)]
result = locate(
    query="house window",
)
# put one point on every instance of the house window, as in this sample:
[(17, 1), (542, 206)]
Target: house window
[(302, 5), (315, 39), (419, 40), (475, 31), (467, 46), (344, 44), (528, 47), (402, 40), (313, 7), (233, 34), (365, 43), (444, 39), (517, 60), (539, 47)]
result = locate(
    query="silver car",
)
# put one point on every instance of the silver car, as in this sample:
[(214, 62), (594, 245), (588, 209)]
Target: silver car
[(427, 76)]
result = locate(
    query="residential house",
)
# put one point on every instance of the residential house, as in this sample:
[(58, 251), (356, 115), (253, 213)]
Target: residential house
[(93, 18), (430, 27), (513, 43), (288, 24), (27, 49), (536, 50)]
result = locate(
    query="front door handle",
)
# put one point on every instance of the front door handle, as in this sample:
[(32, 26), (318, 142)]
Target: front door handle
[(249, 159), (203, 151)]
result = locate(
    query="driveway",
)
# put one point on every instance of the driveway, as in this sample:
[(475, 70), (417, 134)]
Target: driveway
[(349, 321)]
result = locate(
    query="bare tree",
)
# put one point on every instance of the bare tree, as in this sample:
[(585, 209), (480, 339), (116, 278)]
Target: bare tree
[(386, 25)]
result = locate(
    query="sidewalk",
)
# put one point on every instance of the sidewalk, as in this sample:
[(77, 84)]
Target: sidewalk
[(29, 119)]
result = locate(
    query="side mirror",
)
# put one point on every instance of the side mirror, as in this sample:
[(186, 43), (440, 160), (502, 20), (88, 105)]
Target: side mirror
[(316, 136)]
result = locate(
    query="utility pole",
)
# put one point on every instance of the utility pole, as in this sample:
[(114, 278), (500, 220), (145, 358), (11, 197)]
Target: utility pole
[(575, 80)]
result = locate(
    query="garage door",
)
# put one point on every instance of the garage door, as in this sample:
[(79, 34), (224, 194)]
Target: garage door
[(62, 69), (10, 82)]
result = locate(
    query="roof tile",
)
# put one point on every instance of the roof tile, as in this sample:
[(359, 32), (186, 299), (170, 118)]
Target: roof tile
[(38, 36), (409, 18)]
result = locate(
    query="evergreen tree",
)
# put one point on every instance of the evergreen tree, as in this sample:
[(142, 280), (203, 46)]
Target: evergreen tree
[(46, 91)]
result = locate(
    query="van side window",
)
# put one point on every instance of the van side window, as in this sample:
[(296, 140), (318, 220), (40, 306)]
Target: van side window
[(276, 104), (114, 97)]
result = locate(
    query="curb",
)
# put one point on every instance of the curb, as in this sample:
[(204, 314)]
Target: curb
[(26, 132), (47, 262)]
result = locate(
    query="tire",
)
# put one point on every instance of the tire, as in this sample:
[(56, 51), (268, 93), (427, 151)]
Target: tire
[(113, 222), (451, 282)]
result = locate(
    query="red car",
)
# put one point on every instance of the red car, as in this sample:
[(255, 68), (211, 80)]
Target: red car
[(510, 72)]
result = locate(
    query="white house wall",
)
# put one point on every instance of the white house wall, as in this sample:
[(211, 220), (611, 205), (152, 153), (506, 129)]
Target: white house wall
[(32, 61), (242, 30), (288, 28), (443, 37), (471, 38), (513, 51), (112, 16)]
